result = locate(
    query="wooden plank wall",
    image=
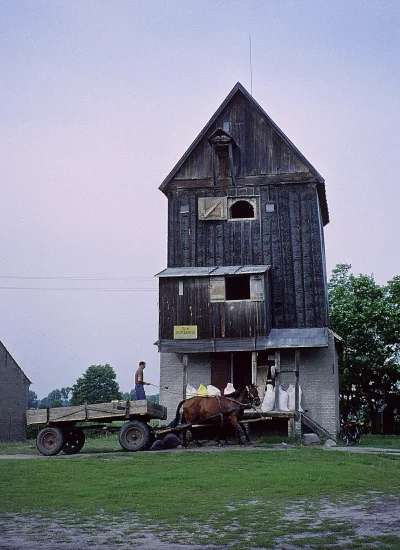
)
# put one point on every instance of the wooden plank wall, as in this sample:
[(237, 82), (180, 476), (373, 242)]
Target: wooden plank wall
[(289, 239), (262, 150), (234, 319)]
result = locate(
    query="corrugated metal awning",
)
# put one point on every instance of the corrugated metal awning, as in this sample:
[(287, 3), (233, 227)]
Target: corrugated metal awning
[(297, 338), (212, 271)]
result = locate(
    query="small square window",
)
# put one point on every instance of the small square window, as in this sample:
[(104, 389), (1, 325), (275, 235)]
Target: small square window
[(237, 287)]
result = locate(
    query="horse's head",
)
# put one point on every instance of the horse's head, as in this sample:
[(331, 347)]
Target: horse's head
[(252, 397)]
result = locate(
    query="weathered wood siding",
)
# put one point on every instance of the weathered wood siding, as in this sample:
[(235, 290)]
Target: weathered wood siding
[(232, 319), (267, 167), (290, 239), (260, 150)]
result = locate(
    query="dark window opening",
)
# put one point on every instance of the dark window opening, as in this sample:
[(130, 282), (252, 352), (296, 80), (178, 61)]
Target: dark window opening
[(237, 287), (223, 166), (242, 209)]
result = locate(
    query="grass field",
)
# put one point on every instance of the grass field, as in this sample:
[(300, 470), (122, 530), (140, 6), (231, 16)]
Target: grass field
[(255, 498), (109, 442)]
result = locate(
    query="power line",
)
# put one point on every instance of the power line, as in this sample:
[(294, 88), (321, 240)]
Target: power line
[(80, 289), (75, 278)]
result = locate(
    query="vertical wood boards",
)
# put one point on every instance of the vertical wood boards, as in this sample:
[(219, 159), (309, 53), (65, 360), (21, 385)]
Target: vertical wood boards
[(259, 148), (232, 319), (289, 238), (286, 232)]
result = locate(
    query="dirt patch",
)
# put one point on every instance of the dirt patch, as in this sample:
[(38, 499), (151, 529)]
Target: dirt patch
[(302, 521)]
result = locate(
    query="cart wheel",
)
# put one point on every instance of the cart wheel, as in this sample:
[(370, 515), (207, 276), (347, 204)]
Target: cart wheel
[(134, 436), (74, 440), (50, 441)]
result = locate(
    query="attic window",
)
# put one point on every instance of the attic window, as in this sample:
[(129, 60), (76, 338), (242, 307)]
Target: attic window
[(241, 209), (222, 154)]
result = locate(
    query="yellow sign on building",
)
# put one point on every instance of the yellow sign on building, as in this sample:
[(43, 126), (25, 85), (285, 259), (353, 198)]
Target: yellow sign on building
[(185, 332)]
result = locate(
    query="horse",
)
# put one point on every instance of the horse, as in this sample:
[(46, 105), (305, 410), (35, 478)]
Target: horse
[(227, 409)]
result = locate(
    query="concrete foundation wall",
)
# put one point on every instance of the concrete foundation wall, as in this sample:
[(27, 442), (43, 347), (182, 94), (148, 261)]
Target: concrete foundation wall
[(14, 389), (318, 378), (171, 375)]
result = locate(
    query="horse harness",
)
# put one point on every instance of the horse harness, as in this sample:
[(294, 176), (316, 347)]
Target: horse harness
[(235, 408)]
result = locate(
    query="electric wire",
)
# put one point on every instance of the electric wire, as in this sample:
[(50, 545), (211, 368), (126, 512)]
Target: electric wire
[(15, 278)]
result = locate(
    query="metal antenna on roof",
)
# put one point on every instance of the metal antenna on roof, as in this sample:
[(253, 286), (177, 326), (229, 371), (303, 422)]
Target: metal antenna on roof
[(251, 68)]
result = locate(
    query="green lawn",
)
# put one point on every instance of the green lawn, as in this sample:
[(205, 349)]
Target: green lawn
[(109, 443), (196, 496)]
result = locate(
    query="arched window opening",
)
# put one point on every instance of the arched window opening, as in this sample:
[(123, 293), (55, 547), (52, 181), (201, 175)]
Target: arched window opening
[(242, 209)]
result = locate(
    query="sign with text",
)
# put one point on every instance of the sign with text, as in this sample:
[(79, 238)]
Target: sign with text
[(185, 332)]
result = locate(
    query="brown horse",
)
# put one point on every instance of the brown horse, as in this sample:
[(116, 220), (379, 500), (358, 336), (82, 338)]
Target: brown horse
[(227, 409)]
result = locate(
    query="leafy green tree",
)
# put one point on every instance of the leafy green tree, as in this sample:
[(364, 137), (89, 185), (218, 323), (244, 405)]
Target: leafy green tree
[(54, 399), (97, 385), (364, 315), (64, 393), (129, 396), (33, 401), (155, 398)]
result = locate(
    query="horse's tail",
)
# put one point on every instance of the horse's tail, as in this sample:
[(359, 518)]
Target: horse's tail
[(177, 418)]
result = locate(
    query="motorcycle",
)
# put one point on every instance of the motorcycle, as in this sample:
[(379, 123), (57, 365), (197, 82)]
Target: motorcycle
[(350, 432)]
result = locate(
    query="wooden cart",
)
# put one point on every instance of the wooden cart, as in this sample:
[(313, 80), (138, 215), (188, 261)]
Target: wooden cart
[(64, 426)]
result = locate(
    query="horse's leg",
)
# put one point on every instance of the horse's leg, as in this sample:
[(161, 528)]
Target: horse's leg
[(234, 421), (223, 434), (243, 426)]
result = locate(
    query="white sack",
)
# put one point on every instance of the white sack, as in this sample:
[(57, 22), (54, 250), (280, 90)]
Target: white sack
[(229, 388), (269, 399), (190, 391), (292, 398), (283, 399), (212, 390)]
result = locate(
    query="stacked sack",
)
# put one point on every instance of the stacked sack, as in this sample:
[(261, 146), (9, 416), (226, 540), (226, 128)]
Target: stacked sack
[(286, 399), (269, 399), (292, 398), (212, 390), (229, 388), (203, 391), (190, 391)]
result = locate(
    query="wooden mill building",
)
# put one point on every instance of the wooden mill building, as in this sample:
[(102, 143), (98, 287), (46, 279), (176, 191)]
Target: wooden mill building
[(245, 287)]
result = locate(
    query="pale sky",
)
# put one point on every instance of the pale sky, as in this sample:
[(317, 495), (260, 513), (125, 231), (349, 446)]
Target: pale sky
[(100, 99)]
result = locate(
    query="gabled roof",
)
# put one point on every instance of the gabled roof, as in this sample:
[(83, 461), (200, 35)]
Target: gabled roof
[(9, 354), (238, 88)]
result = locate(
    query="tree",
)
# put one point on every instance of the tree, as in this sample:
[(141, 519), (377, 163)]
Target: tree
[(56, 398), (97, 385), (129, 396), (154, 398), (365, 315), (33, 401)]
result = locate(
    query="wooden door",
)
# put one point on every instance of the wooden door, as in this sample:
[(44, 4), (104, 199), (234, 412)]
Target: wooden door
[(220, 373)]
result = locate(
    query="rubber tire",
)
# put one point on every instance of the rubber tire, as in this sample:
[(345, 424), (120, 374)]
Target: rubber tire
[(50, 441), (134, 436), (74, 440)]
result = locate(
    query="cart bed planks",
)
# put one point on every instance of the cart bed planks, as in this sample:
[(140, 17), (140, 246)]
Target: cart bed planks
[(64, 426), (103, 412)]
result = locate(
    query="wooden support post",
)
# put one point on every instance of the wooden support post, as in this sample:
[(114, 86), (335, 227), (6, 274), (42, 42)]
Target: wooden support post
[(254, 367), (185, 365), (277, 378), (296, 387), (291, 429)]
